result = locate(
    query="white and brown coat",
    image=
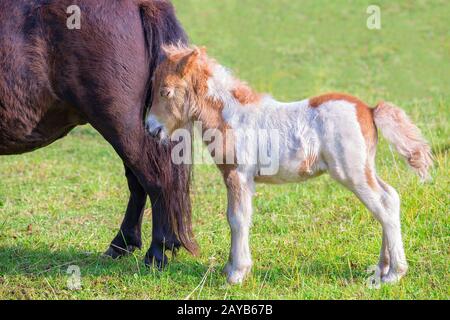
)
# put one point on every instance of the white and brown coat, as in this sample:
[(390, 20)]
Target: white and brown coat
[(334, 133)]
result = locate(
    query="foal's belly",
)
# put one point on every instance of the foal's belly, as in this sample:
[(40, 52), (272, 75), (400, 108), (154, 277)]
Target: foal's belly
[(294, 171), (293, 177)]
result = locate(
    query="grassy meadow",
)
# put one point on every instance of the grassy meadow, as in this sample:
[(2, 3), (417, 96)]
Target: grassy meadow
[(62, 205)]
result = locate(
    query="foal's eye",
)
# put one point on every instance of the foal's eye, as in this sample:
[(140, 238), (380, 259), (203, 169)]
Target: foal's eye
[(167, 92)]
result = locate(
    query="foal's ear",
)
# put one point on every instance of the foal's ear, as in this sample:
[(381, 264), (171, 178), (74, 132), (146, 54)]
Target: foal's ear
[(187, 62)]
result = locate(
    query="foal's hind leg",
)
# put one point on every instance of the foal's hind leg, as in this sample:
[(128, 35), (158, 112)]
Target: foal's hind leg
[(385, 259), (392, 231), (384, 203)]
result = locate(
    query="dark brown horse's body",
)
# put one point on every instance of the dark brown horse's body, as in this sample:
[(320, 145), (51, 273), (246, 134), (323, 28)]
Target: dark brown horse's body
[(53, 79)]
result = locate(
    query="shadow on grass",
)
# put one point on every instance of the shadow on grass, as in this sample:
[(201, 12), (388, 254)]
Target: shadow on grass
[(16, 260), (37, 262), (313, 271)]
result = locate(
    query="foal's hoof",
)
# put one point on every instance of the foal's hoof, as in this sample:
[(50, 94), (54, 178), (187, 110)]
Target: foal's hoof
[(115, 252), (392, 278), (156, 258), (384, 269), (395, 274), (236, 275)]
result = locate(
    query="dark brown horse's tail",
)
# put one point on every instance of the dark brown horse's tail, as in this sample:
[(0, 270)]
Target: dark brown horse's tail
[(162, 27)]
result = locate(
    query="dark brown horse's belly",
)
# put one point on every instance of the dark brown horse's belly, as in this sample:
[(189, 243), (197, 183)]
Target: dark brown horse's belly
[(19, 134), (31, 114)]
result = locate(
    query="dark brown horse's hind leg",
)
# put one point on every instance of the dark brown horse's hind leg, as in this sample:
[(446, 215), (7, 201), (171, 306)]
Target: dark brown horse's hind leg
[(150, 171), (129, 237), (162, 237)]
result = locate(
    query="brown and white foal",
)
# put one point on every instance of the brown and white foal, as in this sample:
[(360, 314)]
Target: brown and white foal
[(334, 133)]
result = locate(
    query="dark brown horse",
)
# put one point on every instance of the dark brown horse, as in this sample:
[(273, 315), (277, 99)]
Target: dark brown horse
[(53, 78)]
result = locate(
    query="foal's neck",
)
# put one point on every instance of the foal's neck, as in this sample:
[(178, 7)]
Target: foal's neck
[(225, 94)]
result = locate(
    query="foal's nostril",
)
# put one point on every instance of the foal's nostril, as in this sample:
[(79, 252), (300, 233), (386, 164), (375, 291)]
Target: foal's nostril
[(155, 133), (158, 132)]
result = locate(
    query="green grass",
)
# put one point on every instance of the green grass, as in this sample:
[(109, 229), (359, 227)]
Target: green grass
[(62, 205)]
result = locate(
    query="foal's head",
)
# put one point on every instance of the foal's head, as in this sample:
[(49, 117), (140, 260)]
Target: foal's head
[(177, 84)]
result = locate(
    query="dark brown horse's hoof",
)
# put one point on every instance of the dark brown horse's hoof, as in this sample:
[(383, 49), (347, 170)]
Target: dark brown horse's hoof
[(156, 258), (116, 252)]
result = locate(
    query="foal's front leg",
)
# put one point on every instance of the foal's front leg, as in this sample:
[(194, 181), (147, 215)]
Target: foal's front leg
[(239, 215)]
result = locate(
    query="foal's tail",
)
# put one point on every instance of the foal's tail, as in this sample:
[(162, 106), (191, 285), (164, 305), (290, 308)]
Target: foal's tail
[(404, 135)]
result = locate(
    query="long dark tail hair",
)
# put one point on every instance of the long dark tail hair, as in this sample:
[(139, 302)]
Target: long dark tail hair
[(162, 27)]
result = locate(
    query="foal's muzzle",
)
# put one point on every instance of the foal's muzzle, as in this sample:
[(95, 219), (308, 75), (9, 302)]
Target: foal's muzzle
[(156, 133), (155, 128)]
